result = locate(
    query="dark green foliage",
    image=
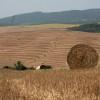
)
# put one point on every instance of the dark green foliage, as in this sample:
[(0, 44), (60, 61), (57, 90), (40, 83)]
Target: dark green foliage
[(94, 27), (20, 66)]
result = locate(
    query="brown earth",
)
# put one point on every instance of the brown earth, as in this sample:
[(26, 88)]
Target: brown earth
[(35, 45)]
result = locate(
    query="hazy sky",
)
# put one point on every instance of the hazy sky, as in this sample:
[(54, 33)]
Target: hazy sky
[(12, 7)]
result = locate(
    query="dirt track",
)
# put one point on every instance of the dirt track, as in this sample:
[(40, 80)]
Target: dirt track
[(35, 45)]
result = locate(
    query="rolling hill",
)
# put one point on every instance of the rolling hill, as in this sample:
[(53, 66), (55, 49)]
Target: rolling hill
[(72, 17)]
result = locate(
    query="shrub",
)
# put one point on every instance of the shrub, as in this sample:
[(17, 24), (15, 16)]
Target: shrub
[(45, 67), (6, 67), (94, 27), (20, 66)]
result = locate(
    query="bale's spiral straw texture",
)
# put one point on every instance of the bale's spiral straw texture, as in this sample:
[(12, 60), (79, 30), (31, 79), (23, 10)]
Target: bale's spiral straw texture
[(82, 56)]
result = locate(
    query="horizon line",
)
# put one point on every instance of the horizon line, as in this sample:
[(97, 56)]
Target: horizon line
[(49, 12)]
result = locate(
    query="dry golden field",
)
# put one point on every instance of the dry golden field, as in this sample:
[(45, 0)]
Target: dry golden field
[(47, 44), (50, 85)]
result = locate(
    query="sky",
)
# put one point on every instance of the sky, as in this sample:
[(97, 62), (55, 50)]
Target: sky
[(13, 7)]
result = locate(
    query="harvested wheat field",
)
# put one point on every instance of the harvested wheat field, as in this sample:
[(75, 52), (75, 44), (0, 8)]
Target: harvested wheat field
[(46, 44), (50, 85)]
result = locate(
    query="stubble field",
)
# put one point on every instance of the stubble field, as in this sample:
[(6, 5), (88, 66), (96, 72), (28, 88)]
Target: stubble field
[(46, 44)]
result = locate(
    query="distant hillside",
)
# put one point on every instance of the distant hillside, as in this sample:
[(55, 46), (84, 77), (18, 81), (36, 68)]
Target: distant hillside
[(69, 17)]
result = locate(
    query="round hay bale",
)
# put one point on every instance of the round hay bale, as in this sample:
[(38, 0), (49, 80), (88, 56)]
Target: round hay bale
[(82, 56)]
